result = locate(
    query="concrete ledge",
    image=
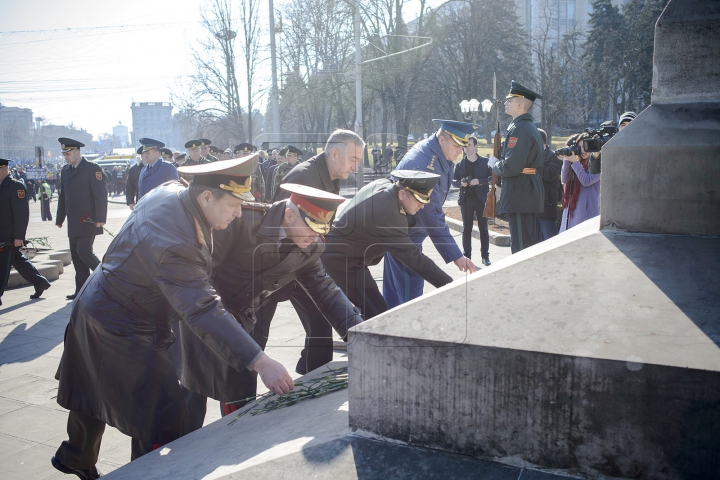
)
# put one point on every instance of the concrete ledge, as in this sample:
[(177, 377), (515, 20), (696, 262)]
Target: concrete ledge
[(63, 255), (47, 259), (49, 271), (495, 238)]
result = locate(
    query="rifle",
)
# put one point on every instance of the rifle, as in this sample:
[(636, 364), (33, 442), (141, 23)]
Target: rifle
[(491, 202)]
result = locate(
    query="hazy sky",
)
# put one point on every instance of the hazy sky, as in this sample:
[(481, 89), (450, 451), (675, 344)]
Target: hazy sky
[(90, 76)]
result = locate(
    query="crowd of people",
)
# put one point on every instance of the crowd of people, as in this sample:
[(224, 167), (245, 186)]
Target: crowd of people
[(180, 308)]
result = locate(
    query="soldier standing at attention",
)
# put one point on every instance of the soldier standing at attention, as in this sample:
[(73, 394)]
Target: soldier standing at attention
[(83, 201), (156, 171), (522, 193), (435, 154), (13, 224), (194, 155), (205, 150), (258, 182)]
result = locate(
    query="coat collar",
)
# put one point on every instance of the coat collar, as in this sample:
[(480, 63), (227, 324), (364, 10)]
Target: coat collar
[(328, 184), (202, 229)]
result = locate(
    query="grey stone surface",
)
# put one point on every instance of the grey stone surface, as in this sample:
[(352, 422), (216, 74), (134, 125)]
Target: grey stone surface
[(63, 255), (594, 351), (47, 259), (687, 46), (49, 271)]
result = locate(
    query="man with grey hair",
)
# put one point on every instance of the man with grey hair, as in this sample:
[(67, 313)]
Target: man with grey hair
[(343, 152)]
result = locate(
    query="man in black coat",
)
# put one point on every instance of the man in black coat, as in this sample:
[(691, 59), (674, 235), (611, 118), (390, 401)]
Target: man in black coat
[(343, 152), (376, 222), (550, 173), (83, 201), (258, 255), (133, 180), (13, 225), (472, 175), (116, 367)]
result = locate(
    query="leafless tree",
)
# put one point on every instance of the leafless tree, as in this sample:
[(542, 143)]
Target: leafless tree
[(250, 47)]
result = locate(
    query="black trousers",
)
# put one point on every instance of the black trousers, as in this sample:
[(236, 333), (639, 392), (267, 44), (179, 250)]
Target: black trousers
[(369, 300), (82, 447), (472, 209), (13, 257), (45, 209), (522, 230), (83, 258)]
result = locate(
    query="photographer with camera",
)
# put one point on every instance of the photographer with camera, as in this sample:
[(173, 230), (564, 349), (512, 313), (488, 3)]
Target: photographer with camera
[(581, 196), (471, 175)]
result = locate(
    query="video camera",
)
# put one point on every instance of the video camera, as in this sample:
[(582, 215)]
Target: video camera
[(600, 137), (568, 151)]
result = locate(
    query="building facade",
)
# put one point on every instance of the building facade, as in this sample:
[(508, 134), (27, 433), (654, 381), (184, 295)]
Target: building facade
[(153, 120), (121, 136)]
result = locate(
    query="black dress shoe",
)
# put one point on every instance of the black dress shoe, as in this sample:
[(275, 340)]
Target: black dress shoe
[(486, 262), (89, 474), (39, 289), (71, 297)]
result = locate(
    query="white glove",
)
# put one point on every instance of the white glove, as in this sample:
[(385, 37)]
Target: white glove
[(498, 192), (492, 161)]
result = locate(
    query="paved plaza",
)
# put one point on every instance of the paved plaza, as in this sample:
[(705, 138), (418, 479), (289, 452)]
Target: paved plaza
[(32, 424)]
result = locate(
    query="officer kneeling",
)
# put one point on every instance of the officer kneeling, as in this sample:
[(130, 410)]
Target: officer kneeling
[(116, 368)]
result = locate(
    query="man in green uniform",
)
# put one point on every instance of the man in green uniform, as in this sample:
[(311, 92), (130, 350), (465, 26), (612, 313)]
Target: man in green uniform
[(205, 145), (522, 192), (292, 155)]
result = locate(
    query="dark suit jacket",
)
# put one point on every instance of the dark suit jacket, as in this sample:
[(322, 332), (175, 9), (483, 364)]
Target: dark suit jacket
[(550, 173), (83, 196), (371, 226), (131, 187), (313, 173), (478, 169)]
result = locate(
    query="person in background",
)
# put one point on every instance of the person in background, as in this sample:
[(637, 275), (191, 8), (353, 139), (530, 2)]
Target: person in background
[(45, 199), (156, 171), (473, 175), (550, 173), (581, 196), (131, 187)]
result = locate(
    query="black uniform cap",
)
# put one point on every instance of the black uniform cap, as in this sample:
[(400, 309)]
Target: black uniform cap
[(166, 152), (4, 162), (139, 150), (67, 144), (418, 183), (215, 150), (317, 207), (232, 176), (293, 149), (244, 147), (193, 144), (517, 90), (204, 142)]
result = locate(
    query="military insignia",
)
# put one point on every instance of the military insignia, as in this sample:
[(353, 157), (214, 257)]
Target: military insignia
[(512, 141), (98, 175), (431, 165), (21, 193)]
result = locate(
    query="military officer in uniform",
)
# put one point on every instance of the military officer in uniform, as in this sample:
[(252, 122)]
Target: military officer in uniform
[(116, 368), (156, 171), (83, 201), (194, 155), (205, 145), (292, 155), (166, 154), (260, 254), (258, 182), (14, 218), (281, 160), (343, 152), (435, 154), (376, 222), (523, 192)]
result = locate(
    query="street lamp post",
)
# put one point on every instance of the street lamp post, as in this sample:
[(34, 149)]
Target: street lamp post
[(471, 111)]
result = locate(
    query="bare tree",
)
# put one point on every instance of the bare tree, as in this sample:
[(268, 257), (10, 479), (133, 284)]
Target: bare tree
[(250, 48), (215, 93)]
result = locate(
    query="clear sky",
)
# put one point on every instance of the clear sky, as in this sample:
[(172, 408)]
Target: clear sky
[(90, 76)]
